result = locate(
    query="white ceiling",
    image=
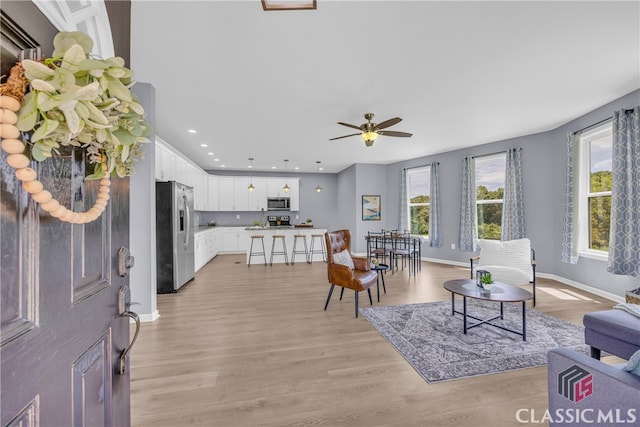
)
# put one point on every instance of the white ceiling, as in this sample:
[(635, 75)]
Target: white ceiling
[(272, 85)]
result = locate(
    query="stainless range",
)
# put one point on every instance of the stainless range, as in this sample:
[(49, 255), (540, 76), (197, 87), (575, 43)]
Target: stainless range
[(279, 221)]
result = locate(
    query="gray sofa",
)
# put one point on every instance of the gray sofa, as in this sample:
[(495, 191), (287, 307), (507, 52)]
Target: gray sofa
[(586, 391), (614, 331)]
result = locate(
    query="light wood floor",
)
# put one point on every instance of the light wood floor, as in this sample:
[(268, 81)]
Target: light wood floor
[(252, 346)]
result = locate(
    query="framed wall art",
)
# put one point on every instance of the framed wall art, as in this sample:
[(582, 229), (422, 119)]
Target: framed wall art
[(371, 208)]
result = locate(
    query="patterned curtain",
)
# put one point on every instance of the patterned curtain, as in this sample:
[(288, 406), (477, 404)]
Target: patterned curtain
[(468, 237), (435, 226), (403, 215), (569, 251), (624, 236), (513, 202)]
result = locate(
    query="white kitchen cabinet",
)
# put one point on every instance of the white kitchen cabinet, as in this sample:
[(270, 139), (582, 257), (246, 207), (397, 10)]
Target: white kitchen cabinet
[(165, 168), (258, 198), (294, 194), (233, 193), (241, 193), (274, 187), (213, 191), (206, 246), (226, 194), (233, 240), (200, 189)]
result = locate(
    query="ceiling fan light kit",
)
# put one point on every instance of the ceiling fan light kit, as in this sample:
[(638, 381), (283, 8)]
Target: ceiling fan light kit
[(370, 131)]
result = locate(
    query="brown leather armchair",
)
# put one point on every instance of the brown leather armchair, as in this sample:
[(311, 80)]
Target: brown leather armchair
[(359, 278)]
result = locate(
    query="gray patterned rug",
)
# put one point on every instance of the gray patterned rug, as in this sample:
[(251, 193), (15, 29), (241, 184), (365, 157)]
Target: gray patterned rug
[(432, 341)]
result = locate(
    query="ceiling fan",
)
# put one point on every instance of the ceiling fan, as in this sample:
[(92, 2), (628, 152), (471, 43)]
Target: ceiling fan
[(369, 131)]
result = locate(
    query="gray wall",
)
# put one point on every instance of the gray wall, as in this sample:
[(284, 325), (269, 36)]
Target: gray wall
[(587, 271), (142, 218), (544, 157)]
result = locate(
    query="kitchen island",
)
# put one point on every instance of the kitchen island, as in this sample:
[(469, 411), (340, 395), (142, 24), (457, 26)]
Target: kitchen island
[(288, 232)]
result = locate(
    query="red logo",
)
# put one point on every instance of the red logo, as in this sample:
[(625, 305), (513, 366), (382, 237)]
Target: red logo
[(575, 383)]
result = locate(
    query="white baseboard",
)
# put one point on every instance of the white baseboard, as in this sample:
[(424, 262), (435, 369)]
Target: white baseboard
[(572, 283), (582, 286), (148, 317)]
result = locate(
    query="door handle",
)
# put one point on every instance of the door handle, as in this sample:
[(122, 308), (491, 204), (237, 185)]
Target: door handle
[(123, 310)]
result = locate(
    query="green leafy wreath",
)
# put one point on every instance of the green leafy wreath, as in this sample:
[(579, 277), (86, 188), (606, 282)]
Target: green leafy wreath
[(74, 100), (85, 102)]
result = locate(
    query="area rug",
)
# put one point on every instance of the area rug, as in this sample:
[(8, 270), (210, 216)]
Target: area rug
[(432, 340)]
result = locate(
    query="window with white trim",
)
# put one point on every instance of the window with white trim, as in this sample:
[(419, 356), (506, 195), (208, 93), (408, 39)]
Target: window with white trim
[(594, 185), (490, 182), (418, 195)]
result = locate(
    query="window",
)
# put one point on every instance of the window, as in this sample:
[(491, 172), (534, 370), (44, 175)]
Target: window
[(418, 190), (595, 189), (490, 181)]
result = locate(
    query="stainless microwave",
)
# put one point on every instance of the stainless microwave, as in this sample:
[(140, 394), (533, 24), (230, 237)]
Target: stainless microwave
[(278, 204)]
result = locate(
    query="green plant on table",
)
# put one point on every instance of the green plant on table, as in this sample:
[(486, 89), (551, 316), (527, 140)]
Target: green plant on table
[(486, 279)]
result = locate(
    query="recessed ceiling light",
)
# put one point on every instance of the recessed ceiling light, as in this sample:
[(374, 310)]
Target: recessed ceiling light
[(203, 145), (297, 168), (192, 131), (210, 153), (273, 167), (216, 160), (223, 166)]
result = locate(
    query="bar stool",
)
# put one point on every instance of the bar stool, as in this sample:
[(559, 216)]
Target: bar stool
[(299, 251), (252, 253), (280, 237), (313, 251)]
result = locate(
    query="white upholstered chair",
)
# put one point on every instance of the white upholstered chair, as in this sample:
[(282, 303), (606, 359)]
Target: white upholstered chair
[(512, 262)]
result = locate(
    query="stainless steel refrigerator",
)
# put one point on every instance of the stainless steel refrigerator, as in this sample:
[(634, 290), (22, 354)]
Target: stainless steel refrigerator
[(174, 235)]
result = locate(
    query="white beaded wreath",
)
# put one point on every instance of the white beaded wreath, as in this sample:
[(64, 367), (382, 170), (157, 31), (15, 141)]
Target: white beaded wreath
[(14, 149)]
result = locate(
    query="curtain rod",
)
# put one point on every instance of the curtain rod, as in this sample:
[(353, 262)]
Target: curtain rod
[(600, 122), (421, 166)]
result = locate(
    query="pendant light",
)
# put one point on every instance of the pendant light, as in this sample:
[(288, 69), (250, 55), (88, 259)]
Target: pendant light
[(318, 188), (286, 179), (251, 187)]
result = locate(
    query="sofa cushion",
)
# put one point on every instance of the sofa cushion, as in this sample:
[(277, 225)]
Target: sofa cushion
[(616, 324)]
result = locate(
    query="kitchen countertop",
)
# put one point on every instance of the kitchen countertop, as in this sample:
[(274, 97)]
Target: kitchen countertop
[(202, 228)]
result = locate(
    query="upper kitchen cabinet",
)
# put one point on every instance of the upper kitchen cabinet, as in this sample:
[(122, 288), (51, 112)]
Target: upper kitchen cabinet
[(200, 190), (165, 163), (294, 194), (233, 195), (214, 193), (258, 197)]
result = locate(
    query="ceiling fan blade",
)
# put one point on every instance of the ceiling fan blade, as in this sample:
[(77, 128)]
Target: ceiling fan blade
[(387, 123), (394, 133), (344, 136), (349, 126)]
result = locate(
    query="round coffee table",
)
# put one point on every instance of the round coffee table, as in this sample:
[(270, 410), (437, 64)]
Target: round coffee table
[(498, 292)]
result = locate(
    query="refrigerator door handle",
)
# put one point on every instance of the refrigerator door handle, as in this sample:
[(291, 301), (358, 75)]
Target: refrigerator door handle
[(188, 219)]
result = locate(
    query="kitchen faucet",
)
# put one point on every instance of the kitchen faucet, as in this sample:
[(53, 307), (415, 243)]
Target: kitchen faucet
[(262, 220)]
